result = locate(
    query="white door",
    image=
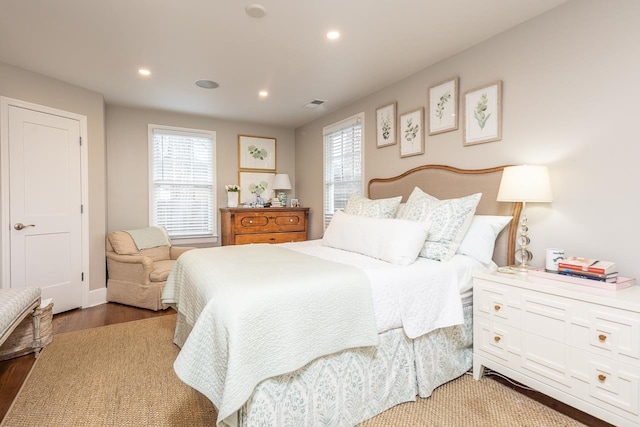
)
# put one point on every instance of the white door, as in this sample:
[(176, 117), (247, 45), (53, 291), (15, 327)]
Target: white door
[(45, 197)]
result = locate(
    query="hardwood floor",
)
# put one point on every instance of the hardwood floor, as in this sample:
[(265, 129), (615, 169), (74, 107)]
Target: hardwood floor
[(14, 372)]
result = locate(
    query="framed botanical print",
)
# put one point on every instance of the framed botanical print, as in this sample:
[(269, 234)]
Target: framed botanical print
[(442, 108), (386, 125), (256, 153), (483, 114), (254, 184), (412, 133)]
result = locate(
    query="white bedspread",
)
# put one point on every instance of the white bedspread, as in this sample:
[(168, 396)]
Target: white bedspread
[(263, 310), (420, 297)]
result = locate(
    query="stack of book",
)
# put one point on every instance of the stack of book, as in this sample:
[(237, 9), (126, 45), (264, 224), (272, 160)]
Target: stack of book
[(588, 268), (275, 203)]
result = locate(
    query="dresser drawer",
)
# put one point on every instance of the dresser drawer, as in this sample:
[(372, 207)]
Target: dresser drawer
[(255, 222), (600, 380), (243, 239), (490, 300)]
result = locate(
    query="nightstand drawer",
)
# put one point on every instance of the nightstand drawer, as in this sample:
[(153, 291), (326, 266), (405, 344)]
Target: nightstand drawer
[(493, 339), (243, 239), (601, 380), (490, 301)]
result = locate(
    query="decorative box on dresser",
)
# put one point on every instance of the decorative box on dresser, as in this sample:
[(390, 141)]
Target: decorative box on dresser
[(263, 225), (577, 344)]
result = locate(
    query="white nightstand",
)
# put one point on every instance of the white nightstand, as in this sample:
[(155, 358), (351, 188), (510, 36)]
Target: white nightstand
[(577, 344)]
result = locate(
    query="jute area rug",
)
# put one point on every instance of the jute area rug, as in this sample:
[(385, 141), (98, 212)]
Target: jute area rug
[(122, 375)]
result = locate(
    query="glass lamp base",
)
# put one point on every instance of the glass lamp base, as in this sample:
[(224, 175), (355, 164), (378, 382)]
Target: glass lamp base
[(282, 196)]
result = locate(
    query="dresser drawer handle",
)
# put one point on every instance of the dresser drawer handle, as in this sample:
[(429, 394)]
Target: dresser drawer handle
[(602, 377), (250, 221), (290, 219), (602, 337), (496, 339), (497, 307)]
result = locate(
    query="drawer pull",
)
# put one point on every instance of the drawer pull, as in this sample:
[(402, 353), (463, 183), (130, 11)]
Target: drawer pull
[(602, 337), (496, 339), (602, 377), (290, 219), (497, 307), (250, 221)]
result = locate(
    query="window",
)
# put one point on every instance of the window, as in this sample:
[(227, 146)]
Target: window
[(182, 182), (343, 163)]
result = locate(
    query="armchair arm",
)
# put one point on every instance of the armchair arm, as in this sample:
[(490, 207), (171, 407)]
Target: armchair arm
[(129, 268), (176, 251)]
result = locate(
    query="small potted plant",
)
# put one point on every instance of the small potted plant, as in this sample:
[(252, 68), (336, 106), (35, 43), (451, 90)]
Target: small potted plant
[(232, 195)]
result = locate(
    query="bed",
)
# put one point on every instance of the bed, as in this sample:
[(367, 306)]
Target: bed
[(351, 359)]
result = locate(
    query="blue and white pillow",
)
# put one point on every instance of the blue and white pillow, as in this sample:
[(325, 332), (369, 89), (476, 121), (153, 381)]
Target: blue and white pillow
[(448, 221), (379, 208)]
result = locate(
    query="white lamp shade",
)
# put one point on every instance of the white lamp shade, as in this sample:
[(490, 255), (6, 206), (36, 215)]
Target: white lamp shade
[(281, 182), (525, 184)]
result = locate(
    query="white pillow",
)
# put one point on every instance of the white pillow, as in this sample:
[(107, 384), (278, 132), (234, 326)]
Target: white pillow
[(379, 208), (393, 240), (480, 239), (448, 221)]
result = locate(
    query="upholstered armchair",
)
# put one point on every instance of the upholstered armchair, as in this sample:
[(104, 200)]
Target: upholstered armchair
[(138, 264)]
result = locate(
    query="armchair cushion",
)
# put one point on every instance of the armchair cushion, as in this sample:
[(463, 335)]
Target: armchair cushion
[(122, 243), (161, 270)]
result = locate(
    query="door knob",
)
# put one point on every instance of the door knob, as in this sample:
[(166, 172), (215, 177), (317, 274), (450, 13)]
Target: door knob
[(20, 226)]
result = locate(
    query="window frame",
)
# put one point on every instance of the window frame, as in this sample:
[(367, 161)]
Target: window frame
[(332, 128), (185, 240)]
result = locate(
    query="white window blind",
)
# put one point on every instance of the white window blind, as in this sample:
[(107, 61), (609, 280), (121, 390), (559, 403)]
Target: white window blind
[(342, 164), (182, 196)]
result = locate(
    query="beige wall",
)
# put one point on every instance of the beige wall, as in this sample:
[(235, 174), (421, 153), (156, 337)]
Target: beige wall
[(127, 162), (38, 89), (570, 101)]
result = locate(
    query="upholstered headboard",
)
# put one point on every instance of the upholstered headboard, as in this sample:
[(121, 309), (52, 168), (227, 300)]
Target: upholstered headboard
[(447, 182)]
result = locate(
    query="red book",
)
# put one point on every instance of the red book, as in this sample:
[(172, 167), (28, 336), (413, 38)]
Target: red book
[(587, 264)]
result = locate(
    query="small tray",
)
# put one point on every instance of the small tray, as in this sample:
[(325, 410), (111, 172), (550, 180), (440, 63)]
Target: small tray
[(621, 282)]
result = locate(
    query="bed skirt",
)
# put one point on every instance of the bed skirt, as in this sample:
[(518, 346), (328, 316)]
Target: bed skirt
[(351, 386)]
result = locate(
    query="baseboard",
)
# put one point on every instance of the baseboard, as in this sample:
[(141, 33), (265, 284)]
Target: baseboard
[(97, 297)]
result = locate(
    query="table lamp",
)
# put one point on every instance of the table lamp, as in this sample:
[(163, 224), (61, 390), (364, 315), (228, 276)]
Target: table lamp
[(524, 184), (281, 182)]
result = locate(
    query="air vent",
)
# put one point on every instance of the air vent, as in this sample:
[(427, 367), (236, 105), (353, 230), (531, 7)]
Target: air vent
[(315, 103)]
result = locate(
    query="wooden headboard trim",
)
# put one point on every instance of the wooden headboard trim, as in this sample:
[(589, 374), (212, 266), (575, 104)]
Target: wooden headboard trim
[(516, 209)]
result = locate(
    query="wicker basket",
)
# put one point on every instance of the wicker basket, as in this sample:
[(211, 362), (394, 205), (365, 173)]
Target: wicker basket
[(21, 341)]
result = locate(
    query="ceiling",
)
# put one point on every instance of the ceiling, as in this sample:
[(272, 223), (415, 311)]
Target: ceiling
[(100, 45)]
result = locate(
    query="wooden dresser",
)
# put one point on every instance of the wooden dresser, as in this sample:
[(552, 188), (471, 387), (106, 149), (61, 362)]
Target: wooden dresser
[(263, 225)]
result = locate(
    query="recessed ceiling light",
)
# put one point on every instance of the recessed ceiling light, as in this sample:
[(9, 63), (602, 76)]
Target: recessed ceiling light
[(144, 72), (255, 11), (263, 94), (332, 35), (207, 84)]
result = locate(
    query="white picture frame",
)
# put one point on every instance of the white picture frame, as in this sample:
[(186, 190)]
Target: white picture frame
[(386, 125), (442, 106), (483, 114), (412, 133)]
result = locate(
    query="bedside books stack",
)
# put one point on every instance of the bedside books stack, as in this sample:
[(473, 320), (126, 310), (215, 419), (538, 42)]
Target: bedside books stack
[(587, 268)]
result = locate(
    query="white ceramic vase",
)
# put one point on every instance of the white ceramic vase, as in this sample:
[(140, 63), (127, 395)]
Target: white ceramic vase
[(232, 199)]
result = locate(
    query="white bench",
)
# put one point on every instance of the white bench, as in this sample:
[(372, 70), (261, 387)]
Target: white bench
[(15, 306)]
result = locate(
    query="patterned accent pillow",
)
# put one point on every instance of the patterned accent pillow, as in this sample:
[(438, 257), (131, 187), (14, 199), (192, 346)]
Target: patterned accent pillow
[(379, 208), (449, 221)]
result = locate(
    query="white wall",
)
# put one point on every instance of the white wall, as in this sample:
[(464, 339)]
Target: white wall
[(571, 96), (127, 161), (31, 87)]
